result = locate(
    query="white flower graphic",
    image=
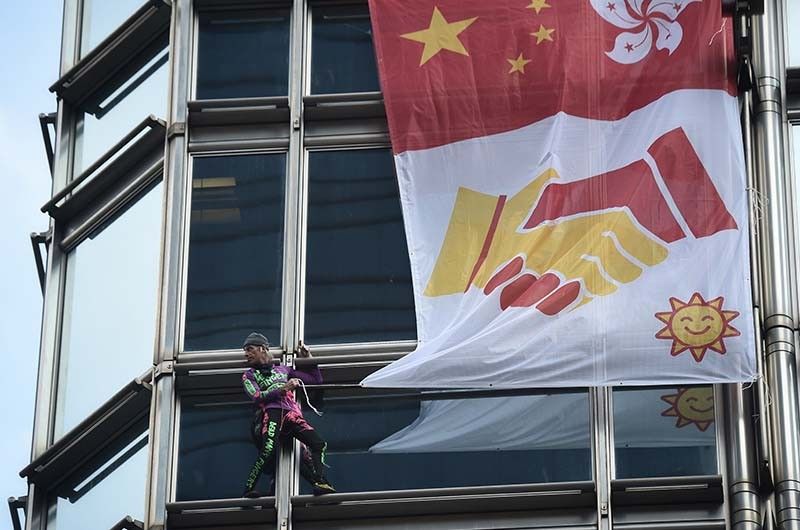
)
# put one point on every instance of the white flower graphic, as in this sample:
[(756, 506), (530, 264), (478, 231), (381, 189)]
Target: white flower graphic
[(647, 20)]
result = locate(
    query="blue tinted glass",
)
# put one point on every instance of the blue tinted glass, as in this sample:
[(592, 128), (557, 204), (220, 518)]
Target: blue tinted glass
[(110, 311), (101, 18), (387, 443), (792, 35), (358, 277), (111, 493), (243, 54), (215, 451), (665, 432), (235, 250), (143, 95), (342, 55)]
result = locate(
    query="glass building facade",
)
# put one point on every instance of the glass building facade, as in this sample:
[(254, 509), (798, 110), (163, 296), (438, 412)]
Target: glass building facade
[(225, 166)]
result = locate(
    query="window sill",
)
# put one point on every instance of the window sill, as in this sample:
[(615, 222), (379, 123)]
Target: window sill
[(667, 490), (220, 512), (579, 496)]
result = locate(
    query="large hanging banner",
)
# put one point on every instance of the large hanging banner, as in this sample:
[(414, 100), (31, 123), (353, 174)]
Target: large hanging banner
[(573, 186)]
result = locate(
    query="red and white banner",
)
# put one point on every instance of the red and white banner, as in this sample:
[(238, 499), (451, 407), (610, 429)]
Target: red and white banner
[(573, 187)]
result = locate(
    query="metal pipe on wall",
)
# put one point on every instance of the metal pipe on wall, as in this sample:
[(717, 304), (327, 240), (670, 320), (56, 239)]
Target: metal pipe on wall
[(745, 507), (745, 504), (163, 407), (778, 325)]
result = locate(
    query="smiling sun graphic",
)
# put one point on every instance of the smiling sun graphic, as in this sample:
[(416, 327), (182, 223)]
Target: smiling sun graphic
[(691, 405), (697, 326)]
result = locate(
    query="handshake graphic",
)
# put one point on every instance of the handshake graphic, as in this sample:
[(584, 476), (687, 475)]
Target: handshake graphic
[(553, 245)]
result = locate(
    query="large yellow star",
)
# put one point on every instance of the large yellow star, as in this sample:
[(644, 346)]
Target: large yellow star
[(440, 35), (518, 64), (538, 5), (543, 34)]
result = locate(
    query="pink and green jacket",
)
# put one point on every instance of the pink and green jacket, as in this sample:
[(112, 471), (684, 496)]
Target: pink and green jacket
[(264, 384)]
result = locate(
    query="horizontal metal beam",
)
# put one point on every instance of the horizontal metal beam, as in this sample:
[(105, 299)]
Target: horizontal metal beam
[(151, 129), (667, 490), (550, 488)]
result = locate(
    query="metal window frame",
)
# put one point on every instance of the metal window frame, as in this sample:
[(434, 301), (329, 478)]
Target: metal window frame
[(337, 144), (422, 501), (243, 151), (719, 430), (229, 113), (84, 449), (105, 68), (308, 96), (205, 6)]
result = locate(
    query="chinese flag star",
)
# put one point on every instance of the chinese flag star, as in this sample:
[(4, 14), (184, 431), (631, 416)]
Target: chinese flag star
[(440, 35)]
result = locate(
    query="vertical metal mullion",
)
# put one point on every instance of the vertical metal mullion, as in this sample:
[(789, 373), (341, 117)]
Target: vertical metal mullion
[(162, 416), (295, 200), (721, 453), (291, 314), (603, 453), (38, 507)]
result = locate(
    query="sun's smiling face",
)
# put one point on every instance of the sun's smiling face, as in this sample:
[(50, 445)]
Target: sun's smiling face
[(691, 406), (697, 326)]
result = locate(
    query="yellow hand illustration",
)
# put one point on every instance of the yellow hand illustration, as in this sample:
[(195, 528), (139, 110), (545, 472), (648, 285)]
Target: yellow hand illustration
[(486, 245)]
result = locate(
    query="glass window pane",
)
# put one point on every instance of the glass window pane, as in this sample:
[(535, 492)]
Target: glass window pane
[(665, 432), (215, 451), (235, 250), (101, 17), (342, 55), (358, 277), (109, 494), (383, 442), (243, 54), (792, 35), (110, 311), (143, 95)]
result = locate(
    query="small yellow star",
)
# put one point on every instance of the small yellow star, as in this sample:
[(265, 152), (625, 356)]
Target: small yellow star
[(440, 35), (518, 64), (543, 34), (538, 5)]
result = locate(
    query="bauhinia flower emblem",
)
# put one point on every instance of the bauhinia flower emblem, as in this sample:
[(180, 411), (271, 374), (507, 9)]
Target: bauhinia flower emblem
[(647, 21)]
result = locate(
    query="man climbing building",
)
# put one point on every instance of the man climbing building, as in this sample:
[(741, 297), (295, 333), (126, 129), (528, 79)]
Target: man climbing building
[(271, 388)]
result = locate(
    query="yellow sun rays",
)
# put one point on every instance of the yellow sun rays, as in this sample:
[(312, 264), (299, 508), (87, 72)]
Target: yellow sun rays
[(697, 325)]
